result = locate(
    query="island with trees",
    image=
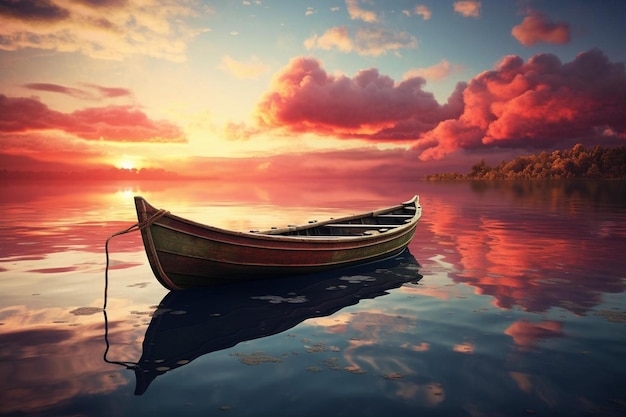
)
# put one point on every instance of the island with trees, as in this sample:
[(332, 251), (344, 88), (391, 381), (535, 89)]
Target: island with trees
[(578, 162)]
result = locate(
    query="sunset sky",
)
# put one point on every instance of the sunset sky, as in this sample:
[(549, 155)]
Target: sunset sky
[(329, 86)]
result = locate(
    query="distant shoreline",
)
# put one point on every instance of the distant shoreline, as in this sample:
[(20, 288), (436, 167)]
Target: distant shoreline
[(579, 162)]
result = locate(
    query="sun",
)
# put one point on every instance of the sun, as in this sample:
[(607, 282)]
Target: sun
[(126, 163)]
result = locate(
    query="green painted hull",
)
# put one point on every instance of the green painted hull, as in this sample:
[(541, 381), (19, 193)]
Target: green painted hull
[(185, 254)]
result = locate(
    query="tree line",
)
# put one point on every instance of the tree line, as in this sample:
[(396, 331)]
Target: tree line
[(578, 162)]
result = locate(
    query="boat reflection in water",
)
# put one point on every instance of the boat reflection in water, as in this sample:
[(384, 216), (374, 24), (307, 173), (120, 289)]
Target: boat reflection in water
[(192, 323)]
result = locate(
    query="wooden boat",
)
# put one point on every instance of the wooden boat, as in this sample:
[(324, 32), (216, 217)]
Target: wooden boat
[(190, 324), (184, 253)]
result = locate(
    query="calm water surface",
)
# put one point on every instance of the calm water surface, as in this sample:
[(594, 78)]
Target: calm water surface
[(510, 302)]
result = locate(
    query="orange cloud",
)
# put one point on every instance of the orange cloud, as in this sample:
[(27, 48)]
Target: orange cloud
[(435, 72), (537, 27), (251, 69), (357, 13), (536, 103), (467, 8), (108, 29), (334, 38), (113, 123), (372, 41), (305, 98)]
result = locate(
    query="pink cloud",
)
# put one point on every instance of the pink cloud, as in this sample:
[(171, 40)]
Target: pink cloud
[(435, 72), (537, 27), (539, 103), (114, 123), (100, 92), (467, 8), (304, 97), (110, 92), (423, 11), (536, 104)]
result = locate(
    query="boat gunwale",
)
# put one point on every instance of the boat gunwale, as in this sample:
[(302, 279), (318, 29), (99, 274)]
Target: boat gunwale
[(275, 235), (316, 241)]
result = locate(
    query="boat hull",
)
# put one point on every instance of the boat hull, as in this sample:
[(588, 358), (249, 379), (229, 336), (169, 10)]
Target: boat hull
[(185, 254)]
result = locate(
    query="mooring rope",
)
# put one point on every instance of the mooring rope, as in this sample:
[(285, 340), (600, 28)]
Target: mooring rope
[(128, 365), (137, 226)]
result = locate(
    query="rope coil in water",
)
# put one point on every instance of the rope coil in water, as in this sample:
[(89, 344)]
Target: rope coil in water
[(135, 227)]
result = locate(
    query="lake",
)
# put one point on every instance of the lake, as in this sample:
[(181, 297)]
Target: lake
[(510, 302)]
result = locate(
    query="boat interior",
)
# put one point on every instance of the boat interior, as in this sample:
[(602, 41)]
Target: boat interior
[(371, 224)]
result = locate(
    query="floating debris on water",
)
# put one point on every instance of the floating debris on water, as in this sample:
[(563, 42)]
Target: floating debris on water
[(436, 388), (139, 285), (276, 299), (357, 279), (332, 363), (336, 287), (160, 311), (316, 348), (394, 375), (354, 370), (141, 313), (85, 311), (255, 358)]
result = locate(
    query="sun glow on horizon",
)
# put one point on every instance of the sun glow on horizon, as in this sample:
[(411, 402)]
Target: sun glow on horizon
[(127, 163)]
